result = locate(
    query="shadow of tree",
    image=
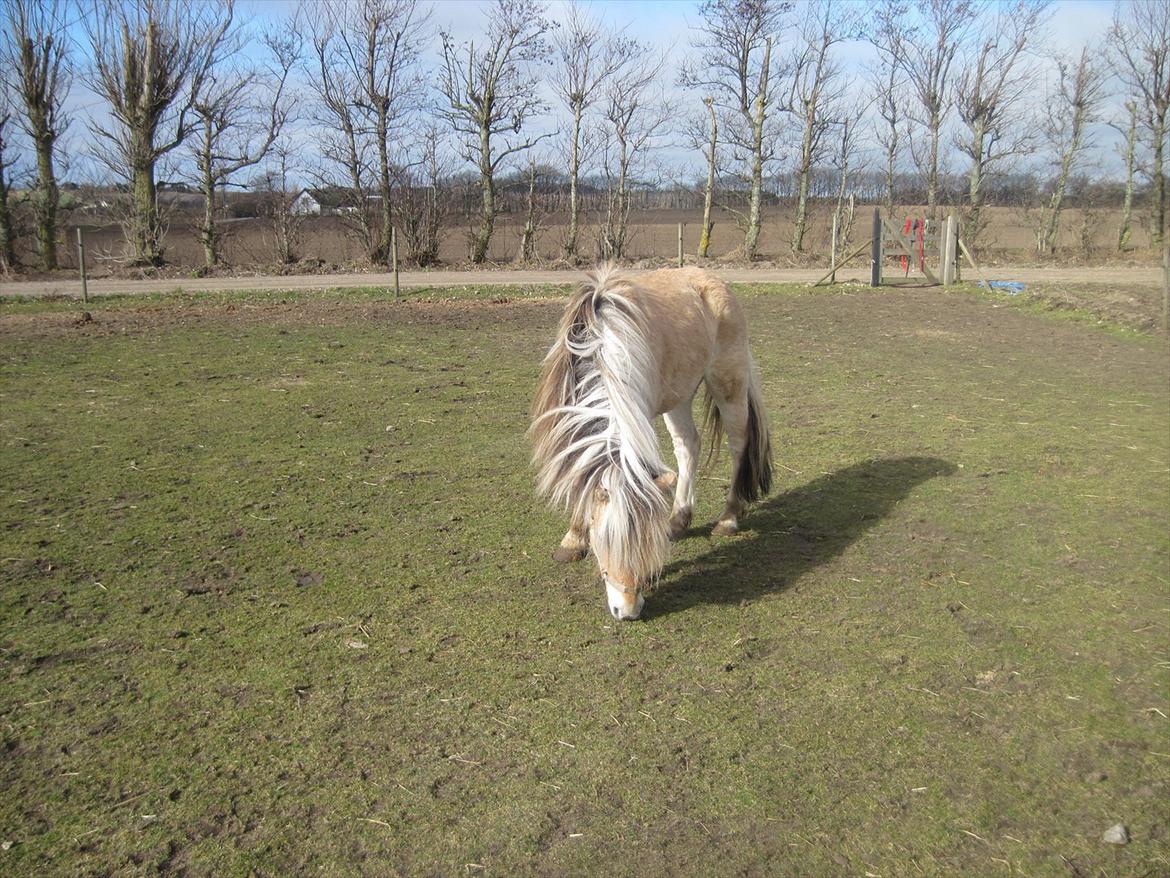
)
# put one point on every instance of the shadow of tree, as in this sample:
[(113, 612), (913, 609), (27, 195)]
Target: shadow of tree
[(792, 533)]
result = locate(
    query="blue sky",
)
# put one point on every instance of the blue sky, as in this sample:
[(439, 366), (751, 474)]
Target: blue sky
[(665, 25)]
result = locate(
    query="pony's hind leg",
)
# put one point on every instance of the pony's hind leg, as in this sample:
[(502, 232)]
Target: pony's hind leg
[(575, 543), (681, 424), (740, 409), (734, 416)]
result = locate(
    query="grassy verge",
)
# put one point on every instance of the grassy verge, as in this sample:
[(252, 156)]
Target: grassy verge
[(276, 598)]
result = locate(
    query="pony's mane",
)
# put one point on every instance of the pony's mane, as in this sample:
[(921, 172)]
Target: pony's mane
[(592, 421)]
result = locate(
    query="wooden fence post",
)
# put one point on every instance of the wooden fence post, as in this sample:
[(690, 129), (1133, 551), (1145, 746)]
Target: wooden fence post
[(1166, 287), (394, 257), (833, 252), (81, 267), (680, 253), (875, 258), (947, 254)]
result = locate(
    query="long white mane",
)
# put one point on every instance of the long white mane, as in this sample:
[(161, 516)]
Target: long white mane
[(592, 423)]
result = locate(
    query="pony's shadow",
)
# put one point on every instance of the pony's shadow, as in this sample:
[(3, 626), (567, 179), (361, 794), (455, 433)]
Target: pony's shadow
[(792, 533)]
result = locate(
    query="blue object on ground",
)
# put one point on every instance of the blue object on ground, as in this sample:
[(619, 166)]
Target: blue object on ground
[(1011, 287)]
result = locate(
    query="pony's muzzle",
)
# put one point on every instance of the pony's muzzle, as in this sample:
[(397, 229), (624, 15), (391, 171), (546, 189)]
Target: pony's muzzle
[(624, 605)]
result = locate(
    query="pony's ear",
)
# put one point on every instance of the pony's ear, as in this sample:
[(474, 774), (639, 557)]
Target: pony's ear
[(665, 481)]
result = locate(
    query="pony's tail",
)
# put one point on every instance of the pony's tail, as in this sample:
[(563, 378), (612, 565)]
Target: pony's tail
[(712, 425), (753, 476)]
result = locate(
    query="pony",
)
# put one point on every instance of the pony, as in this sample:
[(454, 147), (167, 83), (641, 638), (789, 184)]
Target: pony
[(630, 348)]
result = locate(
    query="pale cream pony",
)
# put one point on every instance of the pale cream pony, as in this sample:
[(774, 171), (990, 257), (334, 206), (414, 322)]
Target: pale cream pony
[(630, 348)]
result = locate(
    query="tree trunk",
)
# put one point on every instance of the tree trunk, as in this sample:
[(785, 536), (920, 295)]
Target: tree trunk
[(623, 211), (47, 199), (1124, 232), (891, 162), (839, 208), (574, 170), (932, 169), (709, 193), (144, 206), (528, 238), (803, 170), (382, 251), (487, 218), (207, 231), (752, 237), (7, 239), (358, 192), (1158, 223), (617, 209), (1046, 244), (975, 184)]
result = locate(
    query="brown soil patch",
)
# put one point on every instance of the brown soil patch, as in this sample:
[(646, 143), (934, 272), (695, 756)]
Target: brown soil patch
[(458, 314)]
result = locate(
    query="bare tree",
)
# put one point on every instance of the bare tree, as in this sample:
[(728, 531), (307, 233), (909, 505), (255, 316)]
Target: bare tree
[(635, 114), (712, 143), (343, 143), (1140, 40), (36, 57), (277, 199), (532, 173), (886, 84), (239, 113), (843, 162), (734, 65), (988, 94), (587, 55), (380, 43), (422, 201), (1069, 114), (8, 261), (1124, 231), (149, 61), (423, 196), (491, 93), (702, 133), (816, 89), (928, 54)]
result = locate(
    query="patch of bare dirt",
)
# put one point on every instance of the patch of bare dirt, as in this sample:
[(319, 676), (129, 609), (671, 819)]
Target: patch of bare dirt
[(1134, 305), (458, 314)]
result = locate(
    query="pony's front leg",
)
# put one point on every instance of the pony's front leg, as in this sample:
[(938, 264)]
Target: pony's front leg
[(680, 422), (575, 543)]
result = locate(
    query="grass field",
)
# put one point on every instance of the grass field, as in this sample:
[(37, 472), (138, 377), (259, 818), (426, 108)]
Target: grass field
[(277, 600)]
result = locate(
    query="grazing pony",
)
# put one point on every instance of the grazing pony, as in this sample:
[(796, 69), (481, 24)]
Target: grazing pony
[(629, 349)]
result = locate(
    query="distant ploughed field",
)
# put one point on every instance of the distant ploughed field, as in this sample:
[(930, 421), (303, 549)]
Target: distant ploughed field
[(327, 242)]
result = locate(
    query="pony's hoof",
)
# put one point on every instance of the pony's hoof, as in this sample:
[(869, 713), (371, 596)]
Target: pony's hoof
[(725, 529), (680, 522), (567, 556)]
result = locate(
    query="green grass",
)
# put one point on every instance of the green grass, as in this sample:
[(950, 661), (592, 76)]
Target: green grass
[(276, 599)]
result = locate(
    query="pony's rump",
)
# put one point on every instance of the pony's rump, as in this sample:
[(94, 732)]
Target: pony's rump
[(752, 478)]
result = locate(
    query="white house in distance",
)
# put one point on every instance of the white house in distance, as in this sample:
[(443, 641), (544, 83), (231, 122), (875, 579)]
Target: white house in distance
[(305, 204)]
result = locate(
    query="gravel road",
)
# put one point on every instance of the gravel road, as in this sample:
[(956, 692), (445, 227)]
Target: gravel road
[(1141, 276)]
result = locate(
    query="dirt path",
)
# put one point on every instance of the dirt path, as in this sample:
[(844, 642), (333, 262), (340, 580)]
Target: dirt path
[(1141, 276)]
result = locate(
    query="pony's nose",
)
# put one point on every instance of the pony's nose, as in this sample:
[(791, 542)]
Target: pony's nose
[(622, 614)]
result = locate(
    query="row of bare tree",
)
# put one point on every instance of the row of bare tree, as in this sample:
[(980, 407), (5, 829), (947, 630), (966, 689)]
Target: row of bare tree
[(369, 96)]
